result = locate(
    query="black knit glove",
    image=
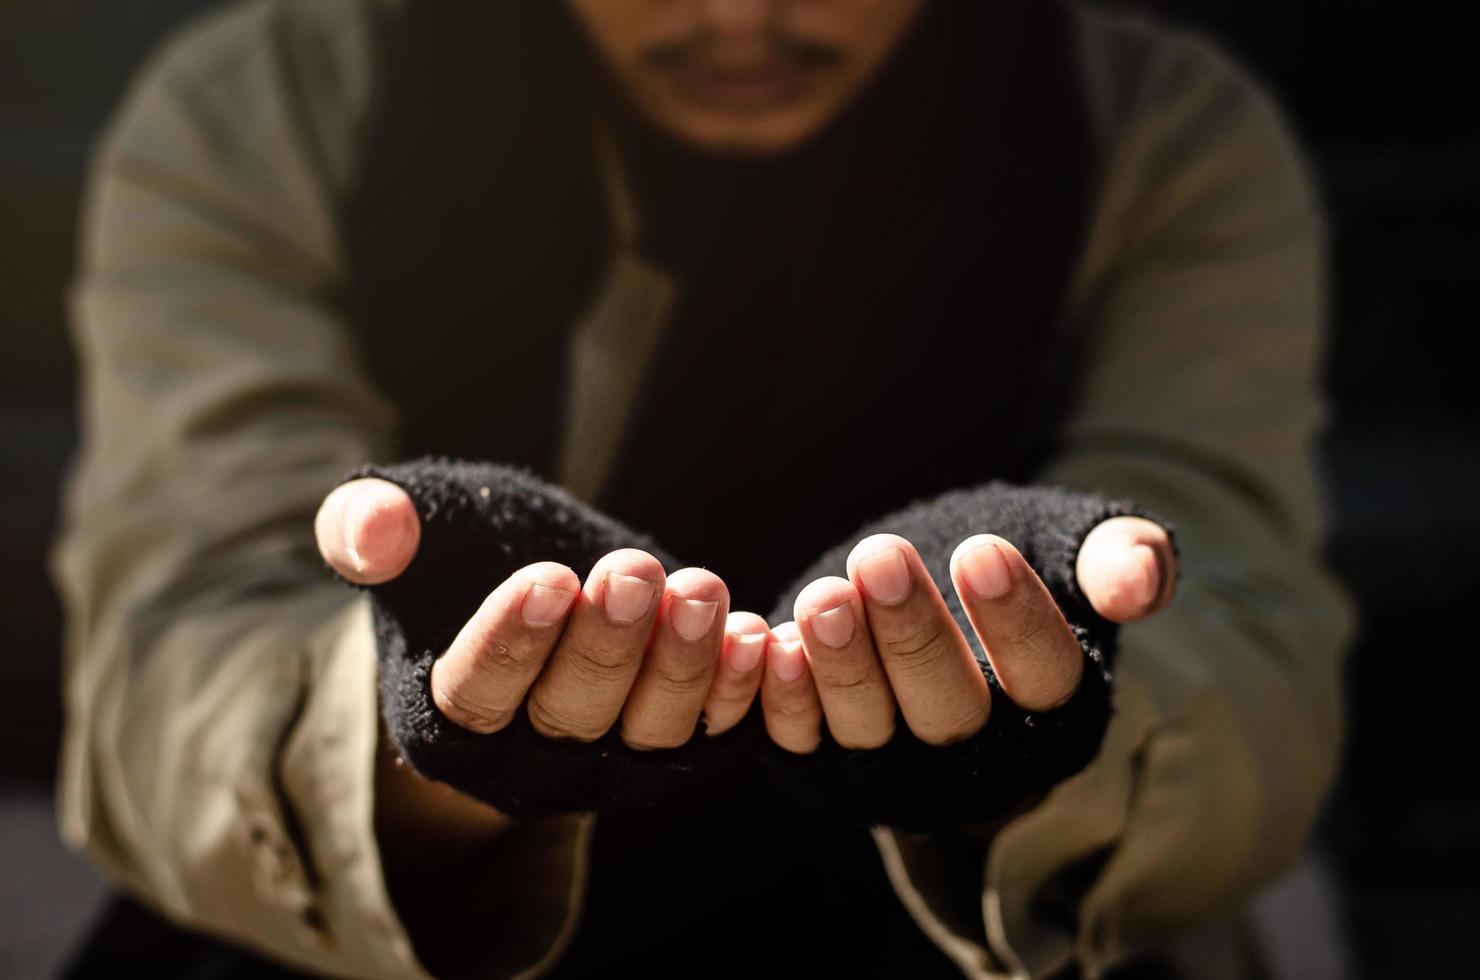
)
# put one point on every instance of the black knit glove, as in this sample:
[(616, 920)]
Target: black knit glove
[(481, 522), (911, 785)]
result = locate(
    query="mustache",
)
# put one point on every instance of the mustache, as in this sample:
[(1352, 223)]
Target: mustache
[(802, 52)]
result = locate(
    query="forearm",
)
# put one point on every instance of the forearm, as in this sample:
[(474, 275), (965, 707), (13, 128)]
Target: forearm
[(206, 772), (221, 745), (439, 850)]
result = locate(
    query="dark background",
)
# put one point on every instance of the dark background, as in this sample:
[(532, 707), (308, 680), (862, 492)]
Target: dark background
[(1386, 98)]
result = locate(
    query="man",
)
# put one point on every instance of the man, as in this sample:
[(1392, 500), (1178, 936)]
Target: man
[(732, 273)]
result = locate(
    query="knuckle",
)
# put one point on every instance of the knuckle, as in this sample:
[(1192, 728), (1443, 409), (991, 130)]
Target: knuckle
[(731, 695), (1029, 635), (455, 701), (955, 724), (795, 710), (1041, 639), (795, 741), (557, 721), (679, 679), (599, 665), (647, 738), (1048, 690), (497, 659), (1058, 702), (845, 676), (876, 740), (915, 652)]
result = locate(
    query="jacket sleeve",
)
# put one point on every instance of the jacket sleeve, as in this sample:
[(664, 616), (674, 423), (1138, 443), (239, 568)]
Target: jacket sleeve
[(1203, 281), (220, 687)]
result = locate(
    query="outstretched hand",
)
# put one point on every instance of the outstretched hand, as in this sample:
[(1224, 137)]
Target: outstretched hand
[(857, 647), (883, 636), (633, 658), (630, 646)]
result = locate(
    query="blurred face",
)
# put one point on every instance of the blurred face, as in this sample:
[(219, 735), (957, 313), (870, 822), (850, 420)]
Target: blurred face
[(743, 76)]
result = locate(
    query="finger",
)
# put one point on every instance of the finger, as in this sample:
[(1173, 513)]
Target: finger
[(738, 675), (941, 690), (581, 691), (480, 680), (855, 694), (674, 678), (368, 530), (1126, 568), (788, 697), (1036, 656)]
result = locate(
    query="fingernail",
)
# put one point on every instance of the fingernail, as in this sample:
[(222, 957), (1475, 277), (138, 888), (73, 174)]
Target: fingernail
[(786, 660), (835, 626), (357, 514), (985, 569), (692, 617), (628, 597), (354, 518), (745, 651), (373, 536), (1143, 559), (886, 576), (545, 605)]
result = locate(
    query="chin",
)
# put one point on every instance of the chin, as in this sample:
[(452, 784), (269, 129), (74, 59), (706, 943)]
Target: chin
[(769, 135)]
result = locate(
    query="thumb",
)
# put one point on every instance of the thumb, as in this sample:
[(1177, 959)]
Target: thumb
[(1127, 568), (368, 530)]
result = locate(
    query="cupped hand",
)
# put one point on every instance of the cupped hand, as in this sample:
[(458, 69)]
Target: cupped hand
[(884, 637), (629, 646)]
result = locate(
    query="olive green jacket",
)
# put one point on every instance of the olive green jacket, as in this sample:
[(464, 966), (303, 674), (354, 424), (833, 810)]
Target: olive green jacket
[(221, 688)]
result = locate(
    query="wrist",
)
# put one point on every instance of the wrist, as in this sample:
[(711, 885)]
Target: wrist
[(411, 809)]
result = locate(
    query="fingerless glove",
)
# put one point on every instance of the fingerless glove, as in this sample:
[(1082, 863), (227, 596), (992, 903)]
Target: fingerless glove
[(911, 785), (480, 522)]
